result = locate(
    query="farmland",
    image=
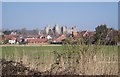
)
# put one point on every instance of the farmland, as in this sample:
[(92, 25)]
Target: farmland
[(78, 59)]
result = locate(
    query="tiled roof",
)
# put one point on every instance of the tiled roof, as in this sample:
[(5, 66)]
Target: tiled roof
[(59, 39), (37, 40), (10, 37)]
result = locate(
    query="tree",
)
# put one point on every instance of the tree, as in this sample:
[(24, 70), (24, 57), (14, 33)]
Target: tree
[(101, 33), (7, 32), (35, 31), (24, 32), (119, 36)]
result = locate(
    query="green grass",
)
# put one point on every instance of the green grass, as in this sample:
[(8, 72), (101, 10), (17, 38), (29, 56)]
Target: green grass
[(34, 50), (42, 57), (45, 50), (42, 53)]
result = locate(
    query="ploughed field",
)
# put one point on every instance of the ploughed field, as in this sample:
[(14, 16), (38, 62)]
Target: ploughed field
[(64, 60)]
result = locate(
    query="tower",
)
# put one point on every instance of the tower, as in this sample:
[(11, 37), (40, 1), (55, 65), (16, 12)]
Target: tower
[(56, 29), (63, 29), (47, 29)]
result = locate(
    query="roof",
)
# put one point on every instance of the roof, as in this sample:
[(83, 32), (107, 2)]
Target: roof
[(86, 33), (60, 38), (37, 40), (10, 37)]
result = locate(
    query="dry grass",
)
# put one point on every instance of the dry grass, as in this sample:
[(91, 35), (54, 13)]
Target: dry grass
[(78, 60)]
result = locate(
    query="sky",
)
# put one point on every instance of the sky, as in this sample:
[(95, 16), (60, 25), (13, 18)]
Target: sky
[(119, 16), (83, 15), (0, 15), (60, 0)]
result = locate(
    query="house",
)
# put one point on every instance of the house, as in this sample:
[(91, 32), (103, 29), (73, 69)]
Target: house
[(49, 37), (37, 40), (12, 41), (11, 38), (1, 37), (113, 37), (59, 39), (83, 34)]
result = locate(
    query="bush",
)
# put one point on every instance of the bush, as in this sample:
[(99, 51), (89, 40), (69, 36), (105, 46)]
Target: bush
[(5, 41)]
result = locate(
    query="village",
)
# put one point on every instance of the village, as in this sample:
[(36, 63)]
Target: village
[(49, 36), (55, 35)]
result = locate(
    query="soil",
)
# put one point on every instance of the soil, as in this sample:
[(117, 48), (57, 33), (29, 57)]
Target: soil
[(9, 68), (16, 68)]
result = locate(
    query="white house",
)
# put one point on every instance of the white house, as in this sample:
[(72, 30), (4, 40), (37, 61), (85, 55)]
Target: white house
[(49, 37), (12, 41)]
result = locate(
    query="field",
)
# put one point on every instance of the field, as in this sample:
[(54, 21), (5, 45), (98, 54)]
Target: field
[(80, 60)]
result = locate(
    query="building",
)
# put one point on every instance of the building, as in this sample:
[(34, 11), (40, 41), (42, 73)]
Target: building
[(64, 30), (74, 29), (37, 40), (56, 29), (47, 29), (71, 30), (59, 39), (49, 37), (86, 33), (9, 37)]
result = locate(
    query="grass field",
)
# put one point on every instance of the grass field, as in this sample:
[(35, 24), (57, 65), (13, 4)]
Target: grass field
[(95, 60)]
